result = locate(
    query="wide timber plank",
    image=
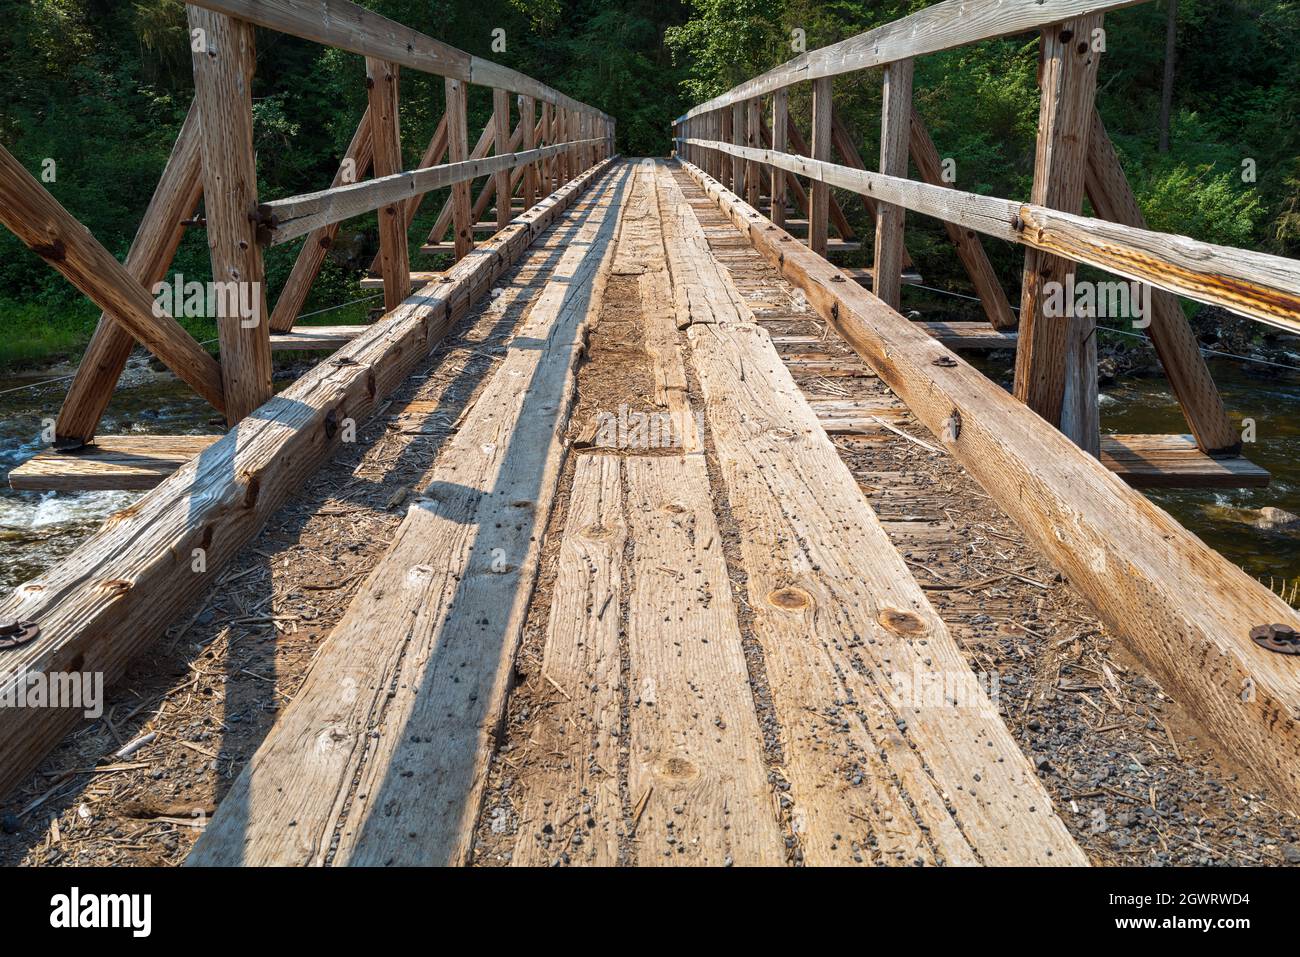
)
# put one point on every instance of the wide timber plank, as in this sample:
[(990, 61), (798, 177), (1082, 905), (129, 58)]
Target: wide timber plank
[(438, 620), (307, 338), (579, 734), (696, 748), (1182, 608), (970, 335), (1174, 461), (841, 619), (118, 591), (112, 462)]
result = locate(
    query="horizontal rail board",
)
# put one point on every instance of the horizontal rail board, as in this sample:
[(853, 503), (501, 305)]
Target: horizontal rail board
[(286, 219), (348, 26), (132, 463), (943, 26), (1263, 287)]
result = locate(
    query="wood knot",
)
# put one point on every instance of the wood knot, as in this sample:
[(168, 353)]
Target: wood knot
[(789, 599), (901, 622)]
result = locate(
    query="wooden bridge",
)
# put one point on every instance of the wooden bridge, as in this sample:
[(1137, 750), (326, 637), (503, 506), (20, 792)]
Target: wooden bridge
[(678, 567)]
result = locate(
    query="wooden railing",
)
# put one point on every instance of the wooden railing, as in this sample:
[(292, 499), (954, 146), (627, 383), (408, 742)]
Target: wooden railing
[(214, 160), (1056, 356)]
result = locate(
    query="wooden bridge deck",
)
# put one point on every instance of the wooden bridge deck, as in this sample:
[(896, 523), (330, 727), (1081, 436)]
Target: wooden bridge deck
[(684, 583), (695, 462)]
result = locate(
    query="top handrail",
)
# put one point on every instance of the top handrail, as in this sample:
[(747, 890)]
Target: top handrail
[(348, 26), (953, 23)]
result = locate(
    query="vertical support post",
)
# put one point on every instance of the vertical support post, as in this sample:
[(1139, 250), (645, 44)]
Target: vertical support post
[(458, 152), (738, 137), (548, 177), (780, 114), (1056, 356), (895, 128), (820, 200), (386, 135), (753, 172), (501, 146), (223, 71), (726, 162), (528, 111)]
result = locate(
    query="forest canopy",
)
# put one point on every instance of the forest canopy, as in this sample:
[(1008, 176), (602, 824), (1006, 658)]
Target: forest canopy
[(99, 87)]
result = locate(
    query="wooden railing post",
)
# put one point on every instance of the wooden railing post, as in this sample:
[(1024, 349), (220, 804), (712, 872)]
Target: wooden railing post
[(753, 172), (458, 152), (532, 175), (728, 163), (386, 134), (780, 120), (501, 141), (223, 70), (819, 203), (895, 126), (738, 137), (1056, 357)]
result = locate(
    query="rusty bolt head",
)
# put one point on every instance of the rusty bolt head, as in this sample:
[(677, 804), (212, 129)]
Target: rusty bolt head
[(1282, 639), (14, 633)]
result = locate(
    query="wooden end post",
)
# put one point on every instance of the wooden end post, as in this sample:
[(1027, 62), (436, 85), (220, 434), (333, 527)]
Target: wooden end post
[(819, 204), (1056, 357), (501, 146), (458, 152), (223, 70), (780, 120), (895, 127), (394, 256)]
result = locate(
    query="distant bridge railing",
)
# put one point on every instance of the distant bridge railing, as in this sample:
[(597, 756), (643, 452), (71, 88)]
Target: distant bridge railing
[(213, 160), (728, 139)]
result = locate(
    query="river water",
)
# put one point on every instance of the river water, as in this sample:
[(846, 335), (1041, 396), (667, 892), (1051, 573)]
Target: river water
[(36, 529)]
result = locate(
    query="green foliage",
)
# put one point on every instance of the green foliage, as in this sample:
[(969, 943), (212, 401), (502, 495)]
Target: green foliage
[(101, 86)]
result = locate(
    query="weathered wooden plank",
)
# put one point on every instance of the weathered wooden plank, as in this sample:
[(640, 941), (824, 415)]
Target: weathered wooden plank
[(223, 90), (355, 165), (895, 130), (1175, 344), (50, 231), (385, 131), (841, 619), (1174, 461), (111, 463), (1253, 284), (1056, 358), (942, 26), (175, 198), (1184, 609), (117, 592), (578, 736), (695, 748), (970, 335), (307, 338), (438, 620)]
